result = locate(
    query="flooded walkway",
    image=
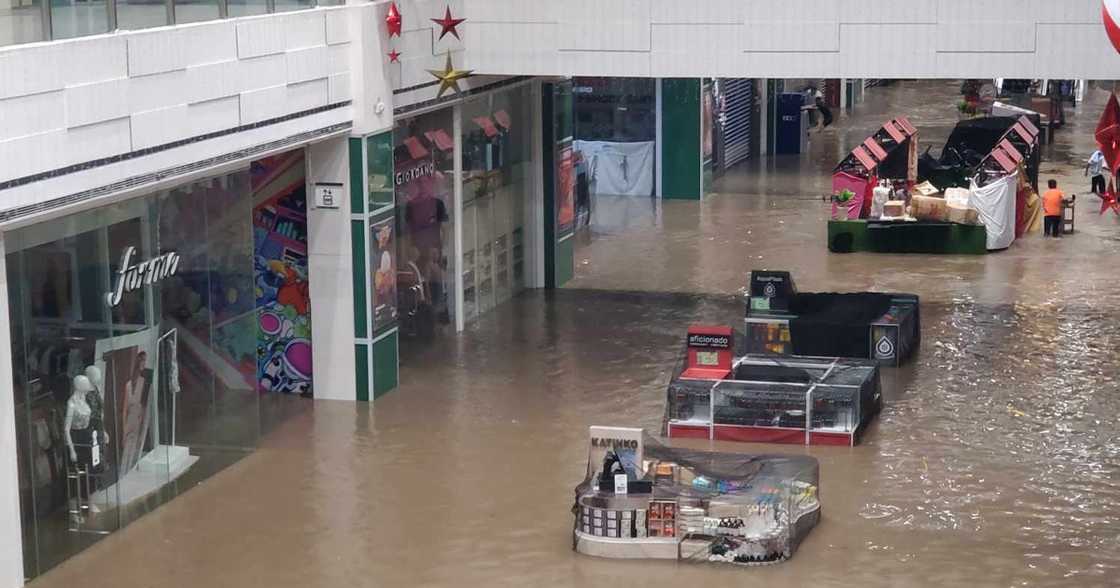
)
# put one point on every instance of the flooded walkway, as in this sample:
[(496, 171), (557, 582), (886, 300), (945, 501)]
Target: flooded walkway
[(995, 462)]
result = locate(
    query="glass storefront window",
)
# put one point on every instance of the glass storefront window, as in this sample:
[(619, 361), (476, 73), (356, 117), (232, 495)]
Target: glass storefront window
[(195, 10), (497, 173), (21, 21), (423, 170), (288, 5), (134, 15), (247, 7), (379, 167), (615, 109), (133, 350), (70, 18)]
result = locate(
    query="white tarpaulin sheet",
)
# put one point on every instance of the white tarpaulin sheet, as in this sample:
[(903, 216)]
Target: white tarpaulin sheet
[(996, 205), (620, 169)]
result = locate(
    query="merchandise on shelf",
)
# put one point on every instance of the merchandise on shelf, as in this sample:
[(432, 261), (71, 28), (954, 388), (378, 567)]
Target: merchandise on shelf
[(701, 506)]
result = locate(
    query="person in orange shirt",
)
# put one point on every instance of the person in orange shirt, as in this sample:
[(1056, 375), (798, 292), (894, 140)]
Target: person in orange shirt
[(1052, 209)]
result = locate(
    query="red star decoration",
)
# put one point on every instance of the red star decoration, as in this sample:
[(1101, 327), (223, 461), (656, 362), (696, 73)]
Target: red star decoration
[(393, 20), (448, 24), (394, 56)]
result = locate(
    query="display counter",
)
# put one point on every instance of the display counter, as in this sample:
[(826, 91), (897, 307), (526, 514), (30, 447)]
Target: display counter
[(695, 505), (884, 327), (848, 236), (800, 400)]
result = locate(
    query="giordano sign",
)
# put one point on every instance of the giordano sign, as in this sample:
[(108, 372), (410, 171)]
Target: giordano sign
[(133, 277)]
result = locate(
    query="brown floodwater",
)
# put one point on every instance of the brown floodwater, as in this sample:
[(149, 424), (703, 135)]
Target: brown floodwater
[(995, 461)]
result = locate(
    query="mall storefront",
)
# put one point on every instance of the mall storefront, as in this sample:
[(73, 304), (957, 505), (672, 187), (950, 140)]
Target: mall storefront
[(153, 340), (447, 223), (157, 338)]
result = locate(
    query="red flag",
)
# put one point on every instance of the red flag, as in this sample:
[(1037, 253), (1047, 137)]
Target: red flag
[(1108, 133)]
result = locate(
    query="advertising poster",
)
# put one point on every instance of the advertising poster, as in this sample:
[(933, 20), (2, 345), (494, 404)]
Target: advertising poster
[(128, 363), (280, 271), (706, 127), (565, 190), (383, 261)]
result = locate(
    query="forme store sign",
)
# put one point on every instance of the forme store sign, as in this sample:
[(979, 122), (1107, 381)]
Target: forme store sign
[(133, 277)]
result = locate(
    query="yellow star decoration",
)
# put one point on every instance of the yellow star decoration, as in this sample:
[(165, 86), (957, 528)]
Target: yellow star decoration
[(449, 77)]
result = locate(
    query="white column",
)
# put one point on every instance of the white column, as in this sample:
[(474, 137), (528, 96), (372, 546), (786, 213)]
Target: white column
[(11, 542), (844, 93), (457, 217), (331, 285)]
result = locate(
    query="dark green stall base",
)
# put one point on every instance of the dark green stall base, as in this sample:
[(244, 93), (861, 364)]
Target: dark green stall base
[(938, 238)]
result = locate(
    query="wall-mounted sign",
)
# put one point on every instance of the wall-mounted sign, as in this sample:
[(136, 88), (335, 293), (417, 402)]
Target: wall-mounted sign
[(405, 176), (133, 277), (327, 194)]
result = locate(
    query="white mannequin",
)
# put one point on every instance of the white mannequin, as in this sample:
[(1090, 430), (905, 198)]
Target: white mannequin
[(93, 373), (77, 412), (94, 376)]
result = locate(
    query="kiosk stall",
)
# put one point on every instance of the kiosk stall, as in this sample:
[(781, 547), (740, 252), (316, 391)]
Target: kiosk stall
[(890, 154), (885, 328), (642, 499), (769, 399)]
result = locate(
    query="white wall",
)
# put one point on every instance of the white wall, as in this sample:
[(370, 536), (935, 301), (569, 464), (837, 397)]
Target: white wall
[(71, 102), (11, 539), (331, 280), (792, 38)]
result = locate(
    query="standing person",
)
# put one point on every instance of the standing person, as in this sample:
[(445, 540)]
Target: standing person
[(822, 107), (1095, 168), (1052, 209)]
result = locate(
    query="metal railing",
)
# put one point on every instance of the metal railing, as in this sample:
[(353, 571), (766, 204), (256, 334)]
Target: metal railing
[(83, 18)]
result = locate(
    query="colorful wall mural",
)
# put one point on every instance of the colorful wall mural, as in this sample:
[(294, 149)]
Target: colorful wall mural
[(280, 272)]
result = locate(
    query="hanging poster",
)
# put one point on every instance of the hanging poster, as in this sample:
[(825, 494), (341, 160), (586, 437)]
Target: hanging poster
[(565, 190), (128, 364), (383, 261), (280, 271)]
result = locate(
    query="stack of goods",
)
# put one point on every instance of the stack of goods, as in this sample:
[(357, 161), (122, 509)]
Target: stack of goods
[(603, 522), (959, 210), (926, 203), (662, 518), (894, 209), (690, 521)]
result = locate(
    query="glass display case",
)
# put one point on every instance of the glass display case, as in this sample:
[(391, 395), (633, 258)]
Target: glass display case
[(771, 399)]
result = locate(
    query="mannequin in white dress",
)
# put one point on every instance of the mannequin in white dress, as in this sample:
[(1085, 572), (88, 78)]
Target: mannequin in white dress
[(82, 441), (76, 427), (96, 401)]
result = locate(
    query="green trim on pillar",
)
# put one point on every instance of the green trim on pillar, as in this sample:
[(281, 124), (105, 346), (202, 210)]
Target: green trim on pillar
[(385, 364), (361, 372), (681, 159), (548, 174), (357, 176), (358, 264), (556, 133), (565, 260)]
